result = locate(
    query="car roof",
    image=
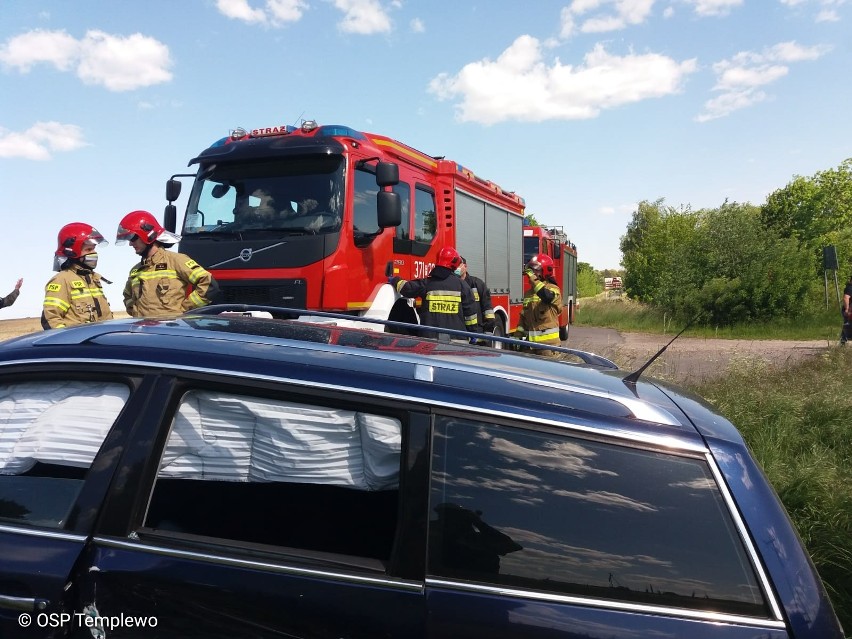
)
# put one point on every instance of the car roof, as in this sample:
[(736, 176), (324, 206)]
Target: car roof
[(326, 352)]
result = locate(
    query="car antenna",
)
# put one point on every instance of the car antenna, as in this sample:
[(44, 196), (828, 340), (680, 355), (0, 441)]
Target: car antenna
[(633, 377)]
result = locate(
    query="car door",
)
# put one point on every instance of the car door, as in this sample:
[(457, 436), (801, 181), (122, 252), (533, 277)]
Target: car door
[(539, 532), (60, 437), (267, 511)]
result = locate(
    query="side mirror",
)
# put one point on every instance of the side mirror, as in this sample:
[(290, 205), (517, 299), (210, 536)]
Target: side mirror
[(172, 190), (389, 209), (387, 174), (170, 216)]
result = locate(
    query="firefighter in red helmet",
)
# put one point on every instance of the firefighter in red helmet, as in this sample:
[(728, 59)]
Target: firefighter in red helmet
[(75, 294), (539, 321), (447, 301), (163, 283)]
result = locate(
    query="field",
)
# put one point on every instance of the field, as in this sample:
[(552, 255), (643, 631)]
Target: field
[(14, 327)]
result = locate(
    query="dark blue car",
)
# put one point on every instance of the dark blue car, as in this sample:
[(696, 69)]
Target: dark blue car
[(231, 476)]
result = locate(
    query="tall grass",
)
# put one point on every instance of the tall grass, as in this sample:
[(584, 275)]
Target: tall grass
[(626, 315), (798, 423)]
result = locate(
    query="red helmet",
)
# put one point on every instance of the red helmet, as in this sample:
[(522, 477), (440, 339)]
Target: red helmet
[(145, 226), (73, 236), (449, 258), (542, 264)]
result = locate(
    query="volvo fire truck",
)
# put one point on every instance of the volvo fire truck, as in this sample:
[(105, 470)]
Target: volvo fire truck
[(319, 216)]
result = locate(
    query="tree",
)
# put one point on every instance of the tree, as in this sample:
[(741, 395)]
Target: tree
[(588, 281), (652, 250), (811, 209)]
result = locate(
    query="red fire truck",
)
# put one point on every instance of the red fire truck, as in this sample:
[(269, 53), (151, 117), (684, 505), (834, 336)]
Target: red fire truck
[(553, 241), (317, 217)]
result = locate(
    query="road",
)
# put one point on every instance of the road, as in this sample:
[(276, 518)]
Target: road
[(689, 359)]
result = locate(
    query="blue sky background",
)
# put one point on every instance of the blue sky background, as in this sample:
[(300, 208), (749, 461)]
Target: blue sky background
[(584, 108)]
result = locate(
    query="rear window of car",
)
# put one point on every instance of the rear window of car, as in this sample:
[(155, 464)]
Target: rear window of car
[(549, 512), (50, 433)]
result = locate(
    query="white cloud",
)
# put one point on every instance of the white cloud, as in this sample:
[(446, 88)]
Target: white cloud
[(283, 11), (363, 17), (417, 25), (519, 85), (240, 10), (611, 15), (827, 15), (275, 12), (39, 141), (714, 7), (39, 46), (826, 8), (115, 62), (738, 79), (123, 64)]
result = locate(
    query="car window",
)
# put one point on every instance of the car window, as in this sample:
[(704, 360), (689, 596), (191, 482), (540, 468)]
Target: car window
[(50, 433), (269, 471), (566, 515)]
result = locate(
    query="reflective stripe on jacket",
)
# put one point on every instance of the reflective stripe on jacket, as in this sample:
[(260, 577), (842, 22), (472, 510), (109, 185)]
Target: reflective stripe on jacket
[(539, 320), (158, 285), (74, 296), (447, 300)]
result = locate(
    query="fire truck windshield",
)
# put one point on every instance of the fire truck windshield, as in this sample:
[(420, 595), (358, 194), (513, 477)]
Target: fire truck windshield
[(288, 196)]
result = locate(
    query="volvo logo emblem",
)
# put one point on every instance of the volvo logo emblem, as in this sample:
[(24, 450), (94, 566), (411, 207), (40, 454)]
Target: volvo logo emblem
[(245, 254)]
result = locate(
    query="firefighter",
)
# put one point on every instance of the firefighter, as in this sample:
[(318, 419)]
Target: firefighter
[(539, 321), (11, 297), (163, 283), (75, 294), (447, 300), (481, 295), (846, 312)]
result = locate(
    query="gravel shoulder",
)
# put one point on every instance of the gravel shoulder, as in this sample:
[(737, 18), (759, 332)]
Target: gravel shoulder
[(690, 359)]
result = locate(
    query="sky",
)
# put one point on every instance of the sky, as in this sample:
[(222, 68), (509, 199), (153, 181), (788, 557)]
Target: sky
[(584, 108)]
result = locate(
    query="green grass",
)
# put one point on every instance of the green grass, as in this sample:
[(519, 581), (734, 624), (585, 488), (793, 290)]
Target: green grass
[(796, 420), (626, 315)]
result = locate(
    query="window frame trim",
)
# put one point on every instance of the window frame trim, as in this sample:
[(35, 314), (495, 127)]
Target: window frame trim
[(614, 604), (256, 564)]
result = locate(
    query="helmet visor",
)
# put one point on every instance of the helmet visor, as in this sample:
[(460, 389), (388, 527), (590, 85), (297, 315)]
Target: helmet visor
[(124, 236)]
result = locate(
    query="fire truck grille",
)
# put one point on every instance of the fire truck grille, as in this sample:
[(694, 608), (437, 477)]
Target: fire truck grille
[(288, 294)]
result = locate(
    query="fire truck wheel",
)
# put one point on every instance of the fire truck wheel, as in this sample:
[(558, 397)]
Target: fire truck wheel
[(499, 331)]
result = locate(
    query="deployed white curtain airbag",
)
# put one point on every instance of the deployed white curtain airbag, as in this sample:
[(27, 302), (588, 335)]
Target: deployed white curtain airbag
[(237, 438), (55, 422)]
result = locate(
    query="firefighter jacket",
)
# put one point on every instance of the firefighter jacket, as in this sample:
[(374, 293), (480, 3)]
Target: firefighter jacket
[(482, 297), (159, 285), (447, 300), (540, 316), (74, 296), (10, 298)]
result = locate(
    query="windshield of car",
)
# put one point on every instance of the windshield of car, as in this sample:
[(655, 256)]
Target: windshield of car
[(296, 195)]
